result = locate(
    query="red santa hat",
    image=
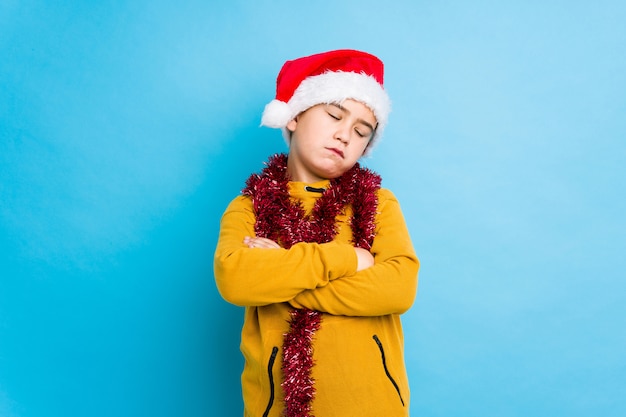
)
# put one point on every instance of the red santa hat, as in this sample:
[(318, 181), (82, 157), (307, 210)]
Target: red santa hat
[(329, 77)]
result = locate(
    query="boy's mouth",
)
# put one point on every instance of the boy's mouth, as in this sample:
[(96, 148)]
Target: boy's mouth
[(337, 151)]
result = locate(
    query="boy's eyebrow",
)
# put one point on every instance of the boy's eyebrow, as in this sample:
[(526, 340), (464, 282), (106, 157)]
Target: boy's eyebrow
[(366, 123)]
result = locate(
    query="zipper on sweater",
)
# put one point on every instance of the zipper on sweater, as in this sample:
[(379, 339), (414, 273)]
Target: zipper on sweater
[(270, 373), (393, 381)]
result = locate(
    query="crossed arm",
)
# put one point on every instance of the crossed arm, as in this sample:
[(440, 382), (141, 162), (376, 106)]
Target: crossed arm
[(333, 277), (364, 257)]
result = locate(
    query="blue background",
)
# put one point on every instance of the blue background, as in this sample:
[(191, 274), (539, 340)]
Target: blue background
[(127, 126)]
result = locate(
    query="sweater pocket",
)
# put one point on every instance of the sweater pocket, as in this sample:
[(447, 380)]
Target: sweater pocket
[(384, 362), (270, 374)]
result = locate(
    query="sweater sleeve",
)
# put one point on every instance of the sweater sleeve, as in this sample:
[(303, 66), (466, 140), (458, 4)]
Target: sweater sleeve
[(254, 277), (388, 287)]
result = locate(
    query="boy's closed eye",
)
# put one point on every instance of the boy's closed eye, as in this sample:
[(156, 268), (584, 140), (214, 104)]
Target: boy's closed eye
[(336, 112)]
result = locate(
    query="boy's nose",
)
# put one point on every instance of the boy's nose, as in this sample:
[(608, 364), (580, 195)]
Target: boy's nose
[(342, 134)]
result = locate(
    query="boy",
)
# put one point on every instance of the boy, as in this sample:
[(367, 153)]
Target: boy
[(319, 254)]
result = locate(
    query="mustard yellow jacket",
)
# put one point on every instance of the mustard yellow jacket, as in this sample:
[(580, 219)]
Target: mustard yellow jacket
[(358, 351)]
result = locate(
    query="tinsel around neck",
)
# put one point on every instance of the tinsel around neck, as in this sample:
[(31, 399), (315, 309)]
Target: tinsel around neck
[(282, 219)]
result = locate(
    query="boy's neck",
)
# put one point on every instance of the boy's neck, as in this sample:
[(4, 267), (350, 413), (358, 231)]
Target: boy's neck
[(298, 174), (307, 178)]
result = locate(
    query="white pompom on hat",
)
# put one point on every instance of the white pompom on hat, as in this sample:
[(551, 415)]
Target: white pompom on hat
[(329, 77)]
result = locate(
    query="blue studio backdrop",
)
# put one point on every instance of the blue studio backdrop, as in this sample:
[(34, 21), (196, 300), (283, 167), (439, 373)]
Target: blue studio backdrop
[(126, 127)]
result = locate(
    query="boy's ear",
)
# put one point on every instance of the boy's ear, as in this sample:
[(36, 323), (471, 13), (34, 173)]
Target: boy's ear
[(291, 126)]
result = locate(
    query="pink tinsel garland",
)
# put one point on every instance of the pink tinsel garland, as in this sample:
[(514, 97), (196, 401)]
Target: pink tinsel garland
[(281, 219)]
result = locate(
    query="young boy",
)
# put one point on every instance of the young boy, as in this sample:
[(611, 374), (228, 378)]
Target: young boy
[(319, 254)]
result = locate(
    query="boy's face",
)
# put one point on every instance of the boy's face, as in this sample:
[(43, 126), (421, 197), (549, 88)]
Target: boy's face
[(328, 139)]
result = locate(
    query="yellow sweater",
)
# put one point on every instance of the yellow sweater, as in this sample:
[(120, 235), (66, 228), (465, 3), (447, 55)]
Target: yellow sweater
[(358, 351)]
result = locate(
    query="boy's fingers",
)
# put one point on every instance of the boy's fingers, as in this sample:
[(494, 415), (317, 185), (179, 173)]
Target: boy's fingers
[(259, 242)]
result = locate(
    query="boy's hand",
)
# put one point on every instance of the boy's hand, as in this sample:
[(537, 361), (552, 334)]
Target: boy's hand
[(364, 259), (260, 242)]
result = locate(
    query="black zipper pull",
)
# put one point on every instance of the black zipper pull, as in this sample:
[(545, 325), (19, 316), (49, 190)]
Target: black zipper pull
[(314, 190)]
